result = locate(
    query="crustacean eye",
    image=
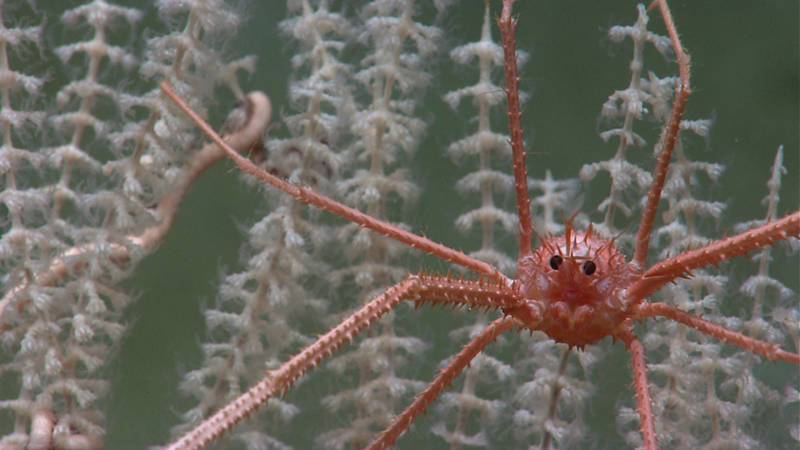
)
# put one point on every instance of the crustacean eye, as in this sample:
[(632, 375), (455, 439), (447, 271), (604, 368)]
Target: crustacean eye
[(555, 261), (589, 267)]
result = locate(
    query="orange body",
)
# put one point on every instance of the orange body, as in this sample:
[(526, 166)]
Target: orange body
[(576, 284)]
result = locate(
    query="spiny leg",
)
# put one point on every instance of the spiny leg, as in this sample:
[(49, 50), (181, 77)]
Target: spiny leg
[(643, 400), (770, 351), (473, 294), (279, 380), (668, 139), (443, 378), (420, 288), (682, 265), (507, 25)]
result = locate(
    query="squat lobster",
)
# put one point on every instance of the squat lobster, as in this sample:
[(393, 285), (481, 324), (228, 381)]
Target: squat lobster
[(577, 288)]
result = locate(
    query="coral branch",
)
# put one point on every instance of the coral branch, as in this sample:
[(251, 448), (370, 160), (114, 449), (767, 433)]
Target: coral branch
[(258, 115)]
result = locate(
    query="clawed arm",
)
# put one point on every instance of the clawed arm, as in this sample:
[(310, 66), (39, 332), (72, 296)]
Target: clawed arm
[(770, 351)]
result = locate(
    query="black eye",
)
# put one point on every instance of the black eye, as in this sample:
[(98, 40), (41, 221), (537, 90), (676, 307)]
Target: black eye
[(555, 261), (589, 267)]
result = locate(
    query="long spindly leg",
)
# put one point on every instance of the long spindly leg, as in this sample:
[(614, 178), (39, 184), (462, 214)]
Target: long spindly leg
[(310, 197), (770, 351), (643, 401), (682, 265), (419, 288), (279, 380), (507, 25), (443, 378), (669, 137)]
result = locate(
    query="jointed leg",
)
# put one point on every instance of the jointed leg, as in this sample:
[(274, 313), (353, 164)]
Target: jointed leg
[(309, 197), (443, 378), (419, 288), (681, 265), (643, 401), (483, 294), (668, 139), (279, 380), (766, 349), (507, 25)]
